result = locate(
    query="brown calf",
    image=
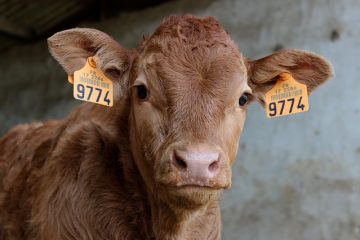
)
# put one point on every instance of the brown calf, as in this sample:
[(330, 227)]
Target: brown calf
[(153, 165)]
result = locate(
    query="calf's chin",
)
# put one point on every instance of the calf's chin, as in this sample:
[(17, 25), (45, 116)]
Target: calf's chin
[(188, 197)]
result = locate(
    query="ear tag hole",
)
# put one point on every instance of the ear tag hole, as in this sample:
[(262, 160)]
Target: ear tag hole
[(91, 62)]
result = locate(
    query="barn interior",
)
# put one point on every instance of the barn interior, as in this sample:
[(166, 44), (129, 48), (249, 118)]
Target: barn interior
[(296, 177)]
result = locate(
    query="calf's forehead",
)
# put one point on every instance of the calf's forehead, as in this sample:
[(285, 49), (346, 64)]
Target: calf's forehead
[(186, 50), (216, 71)]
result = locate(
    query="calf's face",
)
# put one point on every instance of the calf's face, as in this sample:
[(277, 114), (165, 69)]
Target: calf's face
[(188, 87), (187, 113)]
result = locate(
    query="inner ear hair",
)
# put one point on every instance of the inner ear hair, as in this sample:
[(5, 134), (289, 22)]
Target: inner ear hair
[(306, 67), (72, 47)]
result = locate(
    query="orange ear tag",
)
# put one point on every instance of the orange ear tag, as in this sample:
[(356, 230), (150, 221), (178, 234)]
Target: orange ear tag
[(91, 85), (287, 97)]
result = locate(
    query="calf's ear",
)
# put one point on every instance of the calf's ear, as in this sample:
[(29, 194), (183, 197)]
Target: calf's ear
[(306, 67), (72, 47)]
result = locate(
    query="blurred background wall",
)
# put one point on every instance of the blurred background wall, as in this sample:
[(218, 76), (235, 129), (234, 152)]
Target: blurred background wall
[(296, 177)]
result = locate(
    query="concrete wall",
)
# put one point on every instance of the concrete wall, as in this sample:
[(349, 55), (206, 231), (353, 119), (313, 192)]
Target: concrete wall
[(296, 177)]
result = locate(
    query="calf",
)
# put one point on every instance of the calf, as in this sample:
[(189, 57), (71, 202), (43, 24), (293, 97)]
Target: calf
[(153, 165)]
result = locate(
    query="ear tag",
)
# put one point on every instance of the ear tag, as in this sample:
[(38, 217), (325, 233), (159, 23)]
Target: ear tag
[(91, 85), (287, 97)]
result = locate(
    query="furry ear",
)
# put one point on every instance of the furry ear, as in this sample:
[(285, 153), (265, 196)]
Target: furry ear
[(72, 47), (306, 67)]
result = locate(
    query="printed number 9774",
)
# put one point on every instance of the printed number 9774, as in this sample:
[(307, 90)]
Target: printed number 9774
[(277, 108), (85, 93)]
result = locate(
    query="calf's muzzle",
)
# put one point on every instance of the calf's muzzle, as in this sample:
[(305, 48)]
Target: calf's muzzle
[(197, 165)]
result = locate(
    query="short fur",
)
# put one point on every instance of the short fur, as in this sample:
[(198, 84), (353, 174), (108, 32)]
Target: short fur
[(105, 173)]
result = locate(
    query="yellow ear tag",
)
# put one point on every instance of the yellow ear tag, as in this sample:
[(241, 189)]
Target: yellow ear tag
[(91, 85), (287, 97)]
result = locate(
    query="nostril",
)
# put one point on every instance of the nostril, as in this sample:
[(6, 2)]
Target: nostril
[(214, 166), (180, 162)]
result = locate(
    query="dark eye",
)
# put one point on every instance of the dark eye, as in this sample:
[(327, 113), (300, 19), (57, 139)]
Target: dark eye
[(142, 92), (244, 99)]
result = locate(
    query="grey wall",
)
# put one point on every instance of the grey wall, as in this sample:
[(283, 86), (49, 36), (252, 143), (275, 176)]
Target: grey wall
[(296, 177)]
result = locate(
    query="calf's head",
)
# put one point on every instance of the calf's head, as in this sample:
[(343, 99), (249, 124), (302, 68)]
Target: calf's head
[(188, 88)]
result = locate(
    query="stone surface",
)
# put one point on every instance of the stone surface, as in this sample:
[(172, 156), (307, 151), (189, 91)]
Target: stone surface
[(296, 177)]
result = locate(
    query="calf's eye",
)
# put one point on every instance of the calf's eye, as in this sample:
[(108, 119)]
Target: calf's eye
[(142, 92), (244, 99)]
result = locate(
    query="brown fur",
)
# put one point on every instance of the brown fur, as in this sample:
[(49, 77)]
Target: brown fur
[(104, 173)]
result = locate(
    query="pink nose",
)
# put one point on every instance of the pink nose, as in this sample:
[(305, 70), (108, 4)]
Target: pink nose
[(200, 166)]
